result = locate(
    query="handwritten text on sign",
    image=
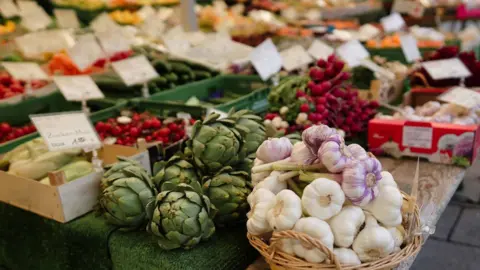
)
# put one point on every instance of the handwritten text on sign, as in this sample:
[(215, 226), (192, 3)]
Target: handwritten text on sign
[(419, 137), (77, 88), (63, 131), (135, 70)]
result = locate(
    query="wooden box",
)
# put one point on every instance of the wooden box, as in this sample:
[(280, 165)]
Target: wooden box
[(67, 201)]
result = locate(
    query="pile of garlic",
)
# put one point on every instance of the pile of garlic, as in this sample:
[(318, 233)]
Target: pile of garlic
[(352, 206), (433, 111)]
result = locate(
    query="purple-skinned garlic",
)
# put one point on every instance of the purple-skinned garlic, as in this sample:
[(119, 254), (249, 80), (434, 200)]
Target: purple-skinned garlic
[(301, 155), (360, 180), (336, 155), (314, 136), (274, 149)]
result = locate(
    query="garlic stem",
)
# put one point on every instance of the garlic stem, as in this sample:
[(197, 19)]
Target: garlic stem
[(288, 175), (293, 186), (297, 167), (309, 176), (266, 167)]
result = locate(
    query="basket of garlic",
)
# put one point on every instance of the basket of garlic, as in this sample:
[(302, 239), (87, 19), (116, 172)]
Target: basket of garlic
[(321, 204)]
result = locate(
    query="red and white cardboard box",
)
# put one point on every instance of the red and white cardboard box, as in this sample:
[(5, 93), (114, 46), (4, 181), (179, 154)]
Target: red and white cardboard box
[(437, 142)]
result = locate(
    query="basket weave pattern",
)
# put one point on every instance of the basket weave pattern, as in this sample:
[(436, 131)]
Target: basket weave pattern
[(281, 260)]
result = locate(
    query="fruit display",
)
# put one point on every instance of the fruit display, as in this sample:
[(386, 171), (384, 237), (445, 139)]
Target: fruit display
[(10, 87), (328, 191), (325, 96), (393, 41), (126, 17), (99, 4), (127, 128), (421, 77), (7, 28), (8, 133)]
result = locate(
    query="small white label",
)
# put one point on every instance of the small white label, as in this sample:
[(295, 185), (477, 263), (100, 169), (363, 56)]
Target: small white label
[(66, 18), (78, 88), (352, 52), (103, 23), (152, 26), (418, 137), (8, 8), (135, 70), (34, 18), (461, 96), (266, 60), (49, 41), (378, 69), (146, 11), (447, 68), (26, 71), (113, 42), (393, 22), (410, 48), (295, 57), (144, 159), (86, 51), (66, 130), (320, 50)]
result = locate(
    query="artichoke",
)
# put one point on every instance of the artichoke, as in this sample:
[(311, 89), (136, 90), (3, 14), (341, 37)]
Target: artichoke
[(174, 171), (228, 191), (256, 130), (182, 217), (126, 191), (216, 143)]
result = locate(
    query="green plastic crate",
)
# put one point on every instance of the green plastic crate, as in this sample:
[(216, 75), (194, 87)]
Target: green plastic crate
[(251, 88)]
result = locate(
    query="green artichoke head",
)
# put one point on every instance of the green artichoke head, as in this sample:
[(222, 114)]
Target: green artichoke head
[(126, 190), (175, 171), (256, 130), (228, 191), (182, 217), (216, 143)]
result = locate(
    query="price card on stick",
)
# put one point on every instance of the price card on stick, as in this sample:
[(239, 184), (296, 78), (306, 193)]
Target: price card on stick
[(33, 16), (410, 48), (136, 70), (352, 52), (86, 51), (69, 130), (49, 41), (8, 9), (26, 71), (66, 18), (295, 57), (152, 26), (103, 23), (266, 60), (393, 22), (113, 42), (446, 68), (320, 50), (78, 88), (461, 96)]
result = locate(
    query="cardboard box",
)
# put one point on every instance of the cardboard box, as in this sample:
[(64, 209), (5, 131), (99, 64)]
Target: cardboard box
[(67, 201), (437, 142)]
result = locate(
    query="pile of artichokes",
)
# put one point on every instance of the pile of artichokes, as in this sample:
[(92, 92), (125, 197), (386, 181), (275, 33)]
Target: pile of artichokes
[(205, 186)]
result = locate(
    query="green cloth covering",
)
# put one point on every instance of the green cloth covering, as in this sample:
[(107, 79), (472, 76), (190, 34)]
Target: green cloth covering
[(28, 241)]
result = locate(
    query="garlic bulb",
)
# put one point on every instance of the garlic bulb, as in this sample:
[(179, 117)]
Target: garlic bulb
[(274, 149), (346, 224), (315, 228), (259, 177), (272, 183), (360, 181), (386, 207), (398, 234), (260, 202), (323, 198), (314, 136), (301, 155), (286, 245), (346, 256), (336, 155), (285, 212), (373, 242), (387, 180)]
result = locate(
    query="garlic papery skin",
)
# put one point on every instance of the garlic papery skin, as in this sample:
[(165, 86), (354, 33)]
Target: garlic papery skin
[(258, 177), (387, 207), (387, 180), (346, 224), (301, 155), (335, 154), (317, 229), (373, 242), (360, 181), (323, 198), (274, 149), (398, 234), (314, 136), (272, 183), (260, 202), (286, 245), (285, 212), (346, 256), (357, 151)]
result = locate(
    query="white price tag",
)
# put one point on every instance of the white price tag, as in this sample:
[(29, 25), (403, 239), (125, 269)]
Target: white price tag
[(367, 31), (152, 26), (66, 18), (78, 88), (135, 70), (103, 23), (266, 60), (50, 41), (295, 57), (8, 9), (86, 51), (378, 69), (461, 96), (418, 137), (410, 48), (393, 22), (26, 71), (320, 50), (446, 68), (146, 11), (113, 42), (352, 52), (69, 130), (34, 18)]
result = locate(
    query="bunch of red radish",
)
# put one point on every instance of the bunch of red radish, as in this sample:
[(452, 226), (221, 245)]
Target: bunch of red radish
[(126, 130), (10, 87), (8, 133)]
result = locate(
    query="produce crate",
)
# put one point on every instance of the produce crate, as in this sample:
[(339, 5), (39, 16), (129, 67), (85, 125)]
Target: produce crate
[(252, 91), (64, 202)]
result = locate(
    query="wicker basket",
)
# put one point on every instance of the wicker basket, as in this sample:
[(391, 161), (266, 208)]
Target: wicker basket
[(281, 260)]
